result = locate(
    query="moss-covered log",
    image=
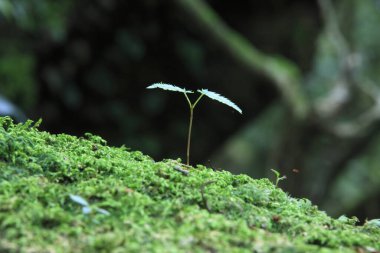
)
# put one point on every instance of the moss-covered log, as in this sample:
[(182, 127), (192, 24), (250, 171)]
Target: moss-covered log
[(153, 206)]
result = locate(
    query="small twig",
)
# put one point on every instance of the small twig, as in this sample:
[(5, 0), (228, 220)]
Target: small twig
[(178, 168), (185, 165), (204, 199), (175, 162)]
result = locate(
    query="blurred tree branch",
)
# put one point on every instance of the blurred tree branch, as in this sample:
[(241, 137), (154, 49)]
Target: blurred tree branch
[(284, 73), (340, 94), (330, 105)]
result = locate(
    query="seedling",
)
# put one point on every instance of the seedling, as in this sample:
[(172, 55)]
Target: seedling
[(278, 178), (86, 207), (203, 92)]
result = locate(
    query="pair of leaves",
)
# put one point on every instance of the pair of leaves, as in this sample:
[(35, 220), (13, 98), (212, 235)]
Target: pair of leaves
[(210, 94), (86, 207)]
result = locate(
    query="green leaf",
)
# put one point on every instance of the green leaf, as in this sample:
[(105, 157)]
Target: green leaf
[(220, 98), (276, 172), (169, 87)]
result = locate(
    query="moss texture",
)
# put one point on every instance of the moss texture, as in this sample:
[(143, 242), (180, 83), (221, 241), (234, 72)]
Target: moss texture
[(153, 206)]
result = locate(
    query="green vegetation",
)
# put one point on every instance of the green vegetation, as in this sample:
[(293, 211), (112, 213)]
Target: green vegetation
[(203, 92), (278, 177), (149, 206)]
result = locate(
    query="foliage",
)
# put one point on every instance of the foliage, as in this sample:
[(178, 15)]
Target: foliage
[(83, 66), (152, 206)]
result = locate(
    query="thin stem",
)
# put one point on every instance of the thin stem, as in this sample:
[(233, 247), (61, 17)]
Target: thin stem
[(199, 98), (189, 135), (188, 100), (192, 106)]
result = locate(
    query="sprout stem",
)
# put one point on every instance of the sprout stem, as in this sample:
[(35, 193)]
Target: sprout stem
[(191, 106), (189, 136)]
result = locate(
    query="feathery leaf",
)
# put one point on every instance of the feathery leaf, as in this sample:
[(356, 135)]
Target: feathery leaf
[(220, 98), (169, 87)]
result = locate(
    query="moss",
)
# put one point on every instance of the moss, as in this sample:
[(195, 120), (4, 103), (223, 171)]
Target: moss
[(153, 207)]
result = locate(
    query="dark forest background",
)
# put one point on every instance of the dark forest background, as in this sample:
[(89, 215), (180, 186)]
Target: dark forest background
[(305, 73)]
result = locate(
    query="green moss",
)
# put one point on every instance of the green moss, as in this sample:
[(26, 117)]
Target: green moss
[(153, 207)]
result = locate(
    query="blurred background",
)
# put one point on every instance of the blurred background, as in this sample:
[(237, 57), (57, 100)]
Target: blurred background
[(305, 73)]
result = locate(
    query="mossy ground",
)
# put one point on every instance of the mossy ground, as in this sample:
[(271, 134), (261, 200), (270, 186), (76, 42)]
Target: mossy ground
[(153, 207)]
